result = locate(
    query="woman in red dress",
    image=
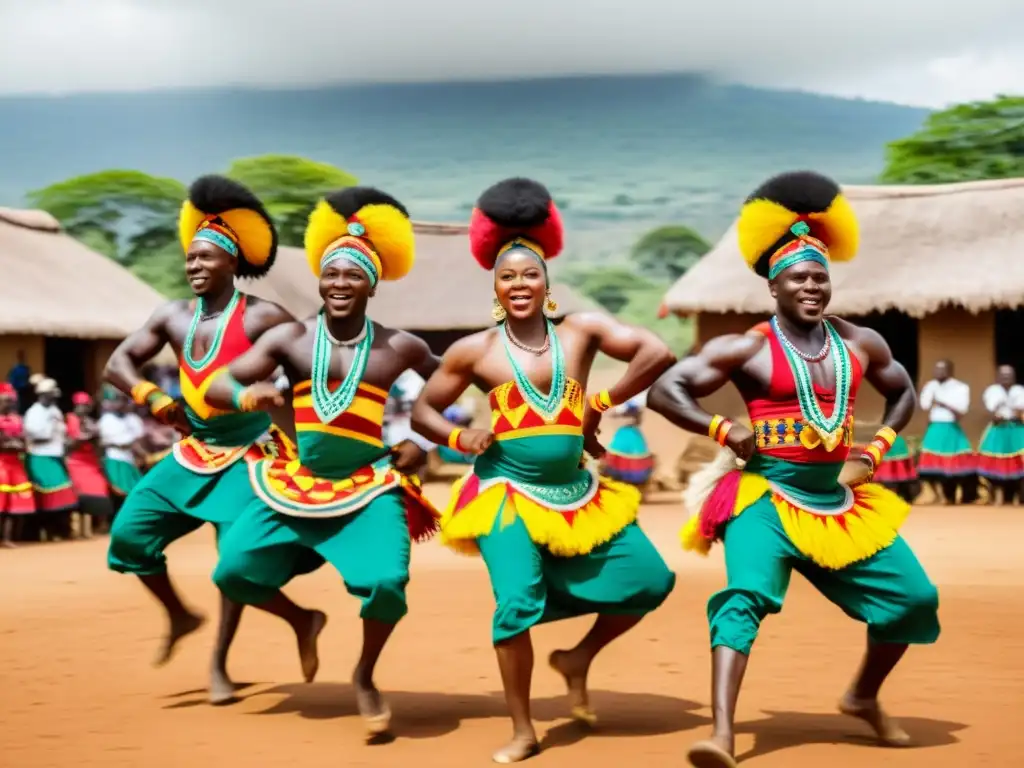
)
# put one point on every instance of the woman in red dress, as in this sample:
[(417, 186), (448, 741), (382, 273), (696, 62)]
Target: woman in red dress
[(16, 497), (83, 462)]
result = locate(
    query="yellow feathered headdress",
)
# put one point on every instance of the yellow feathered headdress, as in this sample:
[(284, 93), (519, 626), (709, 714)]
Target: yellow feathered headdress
[(793, 217), (363, 225), (226, 213)]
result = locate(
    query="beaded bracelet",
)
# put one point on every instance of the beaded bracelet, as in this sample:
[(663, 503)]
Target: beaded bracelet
[(600, 402), (879, 446), (453, 438), (718, 429)]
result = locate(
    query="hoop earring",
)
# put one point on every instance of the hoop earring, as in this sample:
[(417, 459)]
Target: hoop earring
[(550, 305), (497, 311)]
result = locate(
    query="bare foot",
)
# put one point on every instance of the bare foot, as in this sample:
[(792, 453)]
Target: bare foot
[(870, 711), (715, 752), (372, 707), (520, 748), (10, 545), (307, 636), (181, 626), (574, 669), (222, 690)]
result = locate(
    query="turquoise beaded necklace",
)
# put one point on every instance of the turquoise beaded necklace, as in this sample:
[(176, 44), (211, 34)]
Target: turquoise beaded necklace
[(326, 404), (546, 405), (829, 428), (218, 335)]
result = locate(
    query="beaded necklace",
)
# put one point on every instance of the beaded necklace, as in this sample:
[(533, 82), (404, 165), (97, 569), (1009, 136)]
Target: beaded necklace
[(829, 428), (218, 335), (546, 405), (326, 404)]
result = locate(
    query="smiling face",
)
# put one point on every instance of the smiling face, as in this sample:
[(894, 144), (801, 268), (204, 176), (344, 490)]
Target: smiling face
[(345, 289), (802, 292), (520, 283), (209, 268)]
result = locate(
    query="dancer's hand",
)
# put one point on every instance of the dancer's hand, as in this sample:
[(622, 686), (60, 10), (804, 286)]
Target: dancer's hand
[(855, 472), (408, 458), (741, 441), (475, 441), (261, 396), (174, 417), (591, 429)]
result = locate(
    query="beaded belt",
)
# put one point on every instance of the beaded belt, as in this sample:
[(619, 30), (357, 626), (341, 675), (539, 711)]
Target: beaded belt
[(779, 433)]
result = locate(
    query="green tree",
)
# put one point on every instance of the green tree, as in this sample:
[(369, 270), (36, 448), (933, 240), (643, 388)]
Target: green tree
[(122, 214), (664, 254), (611, 287), (967, 142), (289, 186)]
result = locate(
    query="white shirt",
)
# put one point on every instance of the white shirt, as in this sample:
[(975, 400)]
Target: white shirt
[(952, 391), (118, 434), (1003, 403), (45, 430)]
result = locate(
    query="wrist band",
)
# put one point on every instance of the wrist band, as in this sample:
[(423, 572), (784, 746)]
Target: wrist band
[(160, 403), (879, 446), (453, 439), (144, 390), (601, 402), (239, 397), (718, 429)]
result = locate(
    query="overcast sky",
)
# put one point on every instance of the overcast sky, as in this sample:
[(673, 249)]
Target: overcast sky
[(909, 51)]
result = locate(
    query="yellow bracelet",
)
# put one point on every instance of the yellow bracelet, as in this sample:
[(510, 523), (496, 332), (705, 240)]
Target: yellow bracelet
[(142, 391), (887, 435), (719, 428), (453, 439), (245, 400), (601, 402), (160, 403)]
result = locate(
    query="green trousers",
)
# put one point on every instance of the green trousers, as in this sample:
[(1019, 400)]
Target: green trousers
[(531, 586), (890, 592), (170, 502), (370, 548)]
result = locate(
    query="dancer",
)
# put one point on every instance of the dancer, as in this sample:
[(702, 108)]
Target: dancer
[(1001, 453), (16, 497), (796, 504), (94, 505), (225, 232), (350, 498), (557, 540), (947, 461), (628, 458), (45, 448)]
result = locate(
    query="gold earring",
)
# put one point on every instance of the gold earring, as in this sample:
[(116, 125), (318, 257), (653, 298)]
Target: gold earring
[(497, 311), (550, 305)]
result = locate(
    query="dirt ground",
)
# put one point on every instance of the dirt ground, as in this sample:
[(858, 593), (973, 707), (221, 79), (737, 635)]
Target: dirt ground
[(78, 689)]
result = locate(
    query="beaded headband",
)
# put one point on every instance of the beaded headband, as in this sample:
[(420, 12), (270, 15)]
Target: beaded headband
[(214, 230), (353, 248), (804, 248), (523, 244)]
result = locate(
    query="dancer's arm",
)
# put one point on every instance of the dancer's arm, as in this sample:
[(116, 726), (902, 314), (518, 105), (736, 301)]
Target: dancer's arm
[(455, 374), (888, 376), (245, 386), (122, 369), (674, 395)]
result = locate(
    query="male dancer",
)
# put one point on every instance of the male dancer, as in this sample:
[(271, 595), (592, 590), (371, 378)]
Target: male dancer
[(557, 540), (225, 232), (796, 504), (349, 498)]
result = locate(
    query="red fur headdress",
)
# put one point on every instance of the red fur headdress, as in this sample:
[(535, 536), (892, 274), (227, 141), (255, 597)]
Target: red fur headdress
[(514, 208)]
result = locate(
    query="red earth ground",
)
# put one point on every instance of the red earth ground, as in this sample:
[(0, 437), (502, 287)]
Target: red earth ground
[(78, 688)]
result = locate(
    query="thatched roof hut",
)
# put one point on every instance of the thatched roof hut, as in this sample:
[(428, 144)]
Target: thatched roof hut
[(64, 306), (938, 275), (922, 248), (445, 296)]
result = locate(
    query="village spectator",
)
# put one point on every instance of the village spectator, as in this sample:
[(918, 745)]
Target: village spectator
[(83, 462), (947, 461), (45, 435), (1001, 453), (16, 497)]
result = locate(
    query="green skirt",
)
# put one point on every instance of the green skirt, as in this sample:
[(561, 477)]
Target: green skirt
[(946, 452), (51, 483)]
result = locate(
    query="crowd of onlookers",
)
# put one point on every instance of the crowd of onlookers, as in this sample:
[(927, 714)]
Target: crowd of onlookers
[(65, 470)]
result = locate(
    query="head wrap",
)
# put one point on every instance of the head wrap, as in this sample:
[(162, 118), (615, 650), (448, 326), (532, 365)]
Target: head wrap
[(45, 385), (515, 214), (793, 218), (364, 226), (81, 398), (223, 212), (7, 389)]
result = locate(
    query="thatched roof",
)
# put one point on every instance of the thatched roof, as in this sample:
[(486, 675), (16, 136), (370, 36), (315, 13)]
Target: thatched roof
[(55, 286), (922, 247), (446, 290)]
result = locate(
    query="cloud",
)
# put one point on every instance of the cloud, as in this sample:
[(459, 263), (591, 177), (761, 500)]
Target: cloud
[(903, 50)]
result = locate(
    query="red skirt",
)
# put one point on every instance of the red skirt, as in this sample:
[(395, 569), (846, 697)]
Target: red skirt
[(86, 473), (16, 497), (896, 471)]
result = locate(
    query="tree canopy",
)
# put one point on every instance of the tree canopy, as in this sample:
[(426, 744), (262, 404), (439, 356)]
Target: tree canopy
[(667, 252), (967, 142)]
